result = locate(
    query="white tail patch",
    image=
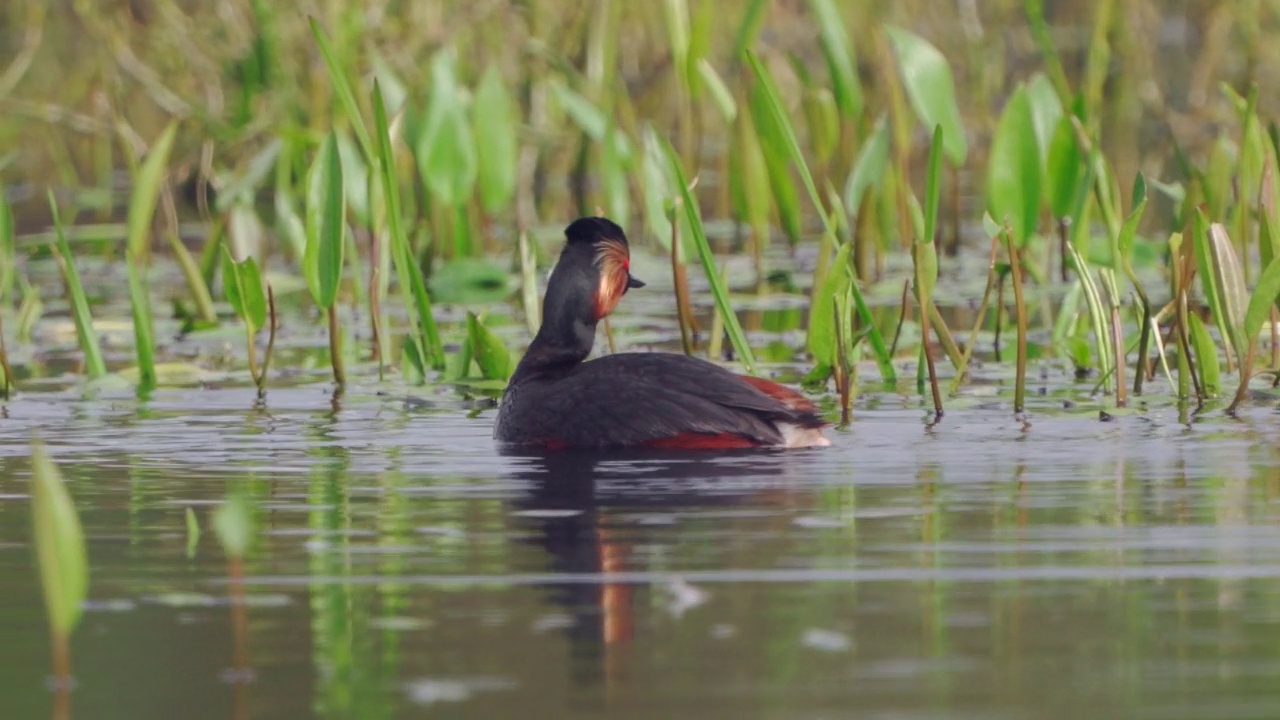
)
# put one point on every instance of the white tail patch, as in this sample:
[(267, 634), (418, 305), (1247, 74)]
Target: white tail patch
[(799, 436)]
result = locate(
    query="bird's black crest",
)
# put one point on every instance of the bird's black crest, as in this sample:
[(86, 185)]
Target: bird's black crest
[(590, 230)]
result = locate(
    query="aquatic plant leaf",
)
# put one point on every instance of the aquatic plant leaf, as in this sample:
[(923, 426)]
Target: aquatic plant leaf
[(342, 88), (657, 186), (749, 27), (8, 248), (822, 340), (933, 187), (1222, 281), (868, 169), (241, 187), (59, 544), (144, 343), (1046, 112), (1064, 170), (926, 75), (243, 283), (488, 350), (593, 123), (720, 91), (95, 367), (233, 524), (193, 533), (146, 191), (326, 223), (355, 178), (470, 280), (1206, 353), (494, 116), (1013, 168), (837, 50), (824, 123), (1265, 296), (772, 145), (425, 346), (613, 176), (749, 180), (676, 16), (446, 150), (718, 290)]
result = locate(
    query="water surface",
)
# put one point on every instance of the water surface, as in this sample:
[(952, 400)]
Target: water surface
[(976, 568)]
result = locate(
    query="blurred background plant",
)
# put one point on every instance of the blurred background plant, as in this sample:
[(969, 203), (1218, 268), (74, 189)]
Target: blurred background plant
[(492, 119)]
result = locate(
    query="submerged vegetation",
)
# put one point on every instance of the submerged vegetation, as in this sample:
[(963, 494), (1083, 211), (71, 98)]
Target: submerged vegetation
[(451, 141)]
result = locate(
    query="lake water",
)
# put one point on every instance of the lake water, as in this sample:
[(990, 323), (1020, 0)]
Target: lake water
[(978, 568)]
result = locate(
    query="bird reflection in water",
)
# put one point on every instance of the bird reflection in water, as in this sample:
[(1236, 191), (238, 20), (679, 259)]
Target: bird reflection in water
[(589, 512)]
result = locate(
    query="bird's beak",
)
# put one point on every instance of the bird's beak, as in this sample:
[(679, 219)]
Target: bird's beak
[(634, 282)]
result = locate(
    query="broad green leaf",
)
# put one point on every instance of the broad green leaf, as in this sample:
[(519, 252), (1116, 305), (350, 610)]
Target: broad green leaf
[(930, 88), (868, 169), (146, 191), (95, 367), (326, 224), (837, 49), (657, 186), (231, 283), (490, 353), (1046, 112), (1263, 299), (1013, 168), (446, 151), (59, 544), (1064, 170), (495, 118)]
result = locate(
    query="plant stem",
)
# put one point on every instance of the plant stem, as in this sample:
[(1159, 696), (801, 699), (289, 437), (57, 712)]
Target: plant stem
[(1020, 308), (6, 373), (681, 282), (335, 348), (272, 320)]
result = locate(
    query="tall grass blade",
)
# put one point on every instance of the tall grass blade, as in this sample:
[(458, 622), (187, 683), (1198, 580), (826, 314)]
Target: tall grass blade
[(342, 86), (718, 289), (144, 342), (749, 27), (146, 191), (426, 339), (8, 249), (95, 367)]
